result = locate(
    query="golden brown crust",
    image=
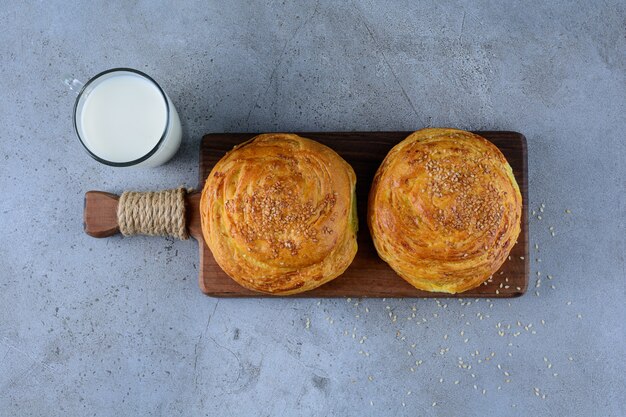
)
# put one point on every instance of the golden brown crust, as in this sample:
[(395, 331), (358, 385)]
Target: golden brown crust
[(444, 210), (278, 213)]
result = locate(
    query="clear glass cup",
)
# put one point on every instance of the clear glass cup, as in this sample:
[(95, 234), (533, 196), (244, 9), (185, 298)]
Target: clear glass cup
[(123, 118)]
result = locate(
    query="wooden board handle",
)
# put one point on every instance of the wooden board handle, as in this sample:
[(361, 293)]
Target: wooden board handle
[(100, 214)]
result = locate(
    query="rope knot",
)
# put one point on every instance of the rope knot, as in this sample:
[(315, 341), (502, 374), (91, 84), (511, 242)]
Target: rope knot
[(160, 213)]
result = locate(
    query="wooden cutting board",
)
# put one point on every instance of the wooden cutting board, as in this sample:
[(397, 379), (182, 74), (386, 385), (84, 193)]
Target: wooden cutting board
[(368, 275)]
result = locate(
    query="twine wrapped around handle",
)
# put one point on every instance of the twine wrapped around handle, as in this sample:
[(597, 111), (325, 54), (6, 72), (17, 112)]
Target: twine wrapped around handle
[(160, 213)]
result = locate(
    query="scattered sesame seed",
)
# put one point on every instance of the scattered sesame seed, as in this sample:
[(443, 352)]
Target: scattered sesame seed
[(568, 211), (435, 403)]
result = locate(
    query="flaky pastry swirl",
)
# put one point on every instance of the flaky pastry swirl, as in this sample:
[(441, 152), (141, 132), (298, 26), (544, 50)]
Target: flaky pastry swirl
[(444, 210), (279, 215)]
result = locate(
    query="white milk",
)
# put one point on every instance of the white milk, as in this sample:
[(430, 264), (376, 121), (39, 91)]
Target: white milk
[(122, 116)]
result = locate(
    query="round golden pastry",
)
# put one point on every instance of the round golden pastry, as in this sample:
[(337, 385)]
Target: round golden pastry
[(279, 214), (444, 210)]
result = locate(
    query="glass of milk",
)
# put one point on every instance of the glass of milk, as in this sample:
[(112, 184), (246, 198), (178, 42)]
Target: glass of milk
[(124, 118)]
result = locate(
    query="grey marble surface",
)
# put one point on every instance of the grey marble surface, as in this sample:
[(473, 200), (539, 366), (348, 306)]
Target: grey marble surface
[(118, 326)]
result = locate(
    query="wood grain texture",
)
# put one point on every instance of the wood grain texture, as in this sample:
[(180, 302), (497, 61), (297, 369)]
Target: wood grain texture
[(368, 275), (100, 214)]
